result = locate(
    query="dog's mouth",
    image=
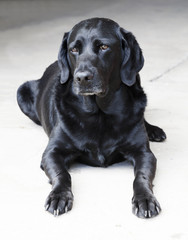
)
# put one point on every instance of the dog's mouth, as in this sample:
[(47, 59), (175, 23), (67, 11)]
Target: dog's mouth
[(89, 91)]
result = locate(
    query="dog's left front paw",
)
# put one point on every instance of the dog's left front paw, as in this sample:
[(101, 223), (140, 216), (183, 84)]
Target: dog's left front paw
[(145, 206)]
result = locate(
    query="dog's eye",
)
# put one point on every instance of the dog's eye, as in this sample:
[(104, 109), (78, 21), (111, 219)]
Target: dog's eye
[(74, 50), (104, 47)]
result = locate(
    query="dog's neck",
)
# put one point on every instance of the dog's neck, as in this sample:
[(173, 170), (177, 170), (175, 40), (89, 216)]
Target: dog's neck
[(114, 102), (111, 104), (88, 104)]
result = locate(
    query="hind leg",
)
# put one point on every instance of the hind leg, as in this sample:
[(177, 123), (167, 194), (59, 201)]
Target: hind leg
[(26, 97), (155, 133)]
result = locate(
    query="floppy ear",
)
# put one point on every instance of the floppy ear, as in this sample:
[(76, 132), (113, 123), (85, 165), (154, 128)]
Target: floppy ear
[(133, 59), (62, 60)]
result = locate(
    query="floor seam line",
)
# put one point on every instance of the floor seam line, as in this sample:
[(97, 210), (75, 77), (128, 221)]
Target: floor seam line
[(170, 69)]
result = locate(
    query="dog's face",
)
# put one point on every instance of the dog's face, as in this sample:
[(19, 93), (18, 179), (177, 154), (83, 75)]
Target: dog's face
[(98, 55), (94, 53)]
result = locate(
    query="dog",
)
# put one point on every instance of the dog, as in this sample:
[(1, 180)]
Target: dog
[(91, 105)]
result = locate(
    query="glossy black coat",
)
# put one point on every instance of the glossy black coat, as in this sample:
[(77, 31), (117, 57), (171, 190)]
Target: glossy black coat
[(91, 105)]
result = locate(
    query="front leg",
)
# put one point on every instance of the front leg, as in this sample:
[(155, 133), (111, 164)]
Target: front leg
[(54, 163), (145, 205)]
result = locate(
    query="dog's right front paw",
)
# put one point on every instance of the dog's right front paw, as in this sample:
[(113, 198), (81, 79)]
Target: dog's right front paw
[(58, 203)]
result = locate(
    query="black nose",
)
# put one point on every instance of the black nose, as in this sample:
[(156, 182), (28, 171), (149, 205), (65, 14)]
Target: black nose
[(83, 76)]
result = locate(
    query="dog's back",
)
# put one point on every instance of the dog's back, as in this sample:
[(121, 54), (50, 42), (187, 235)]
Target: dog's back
[(32, 95)]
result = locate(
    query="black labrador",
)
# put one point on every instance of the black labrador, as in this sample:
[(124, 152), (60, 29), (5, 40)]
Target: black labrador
[(91, 105)]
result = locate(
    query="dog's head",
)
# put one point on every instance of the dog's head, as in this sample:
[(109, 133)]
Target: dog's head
[(98, 55)]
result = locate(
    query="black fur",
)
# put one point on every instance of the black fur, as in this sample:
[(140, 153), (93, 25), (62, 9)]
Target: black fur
[(91, 105)]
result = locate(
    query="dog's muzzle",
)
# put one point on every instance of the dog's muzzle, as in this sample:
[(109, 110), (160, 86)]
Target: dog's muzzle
[(85, 83)]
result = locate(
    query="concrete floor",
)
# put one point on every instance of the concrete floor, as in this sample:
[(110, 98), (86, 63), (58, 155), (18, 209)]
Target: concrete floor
[(30, 36)]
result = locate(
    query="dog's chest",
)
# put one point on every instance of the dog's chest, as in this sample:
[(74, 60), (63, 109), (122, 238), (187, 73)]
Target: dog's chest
[(103, 144), (102, 157)]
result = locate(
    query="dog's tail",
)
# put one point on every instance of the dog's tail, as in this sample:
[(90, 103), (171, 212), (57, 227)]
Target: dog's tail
[(26, 98)]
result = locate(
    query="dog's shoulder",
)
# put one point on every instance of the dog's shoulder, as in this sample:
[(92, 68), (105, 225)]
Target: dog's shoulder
[(49, 74), (139, 96)]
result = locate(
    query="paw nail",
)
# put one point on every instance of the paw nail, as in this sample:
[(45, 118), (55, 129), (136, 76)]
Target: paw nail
[(136, 211), (149, 214), (55, 213), (47, 206), (158, 210), (66, 209), (145, 214)]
